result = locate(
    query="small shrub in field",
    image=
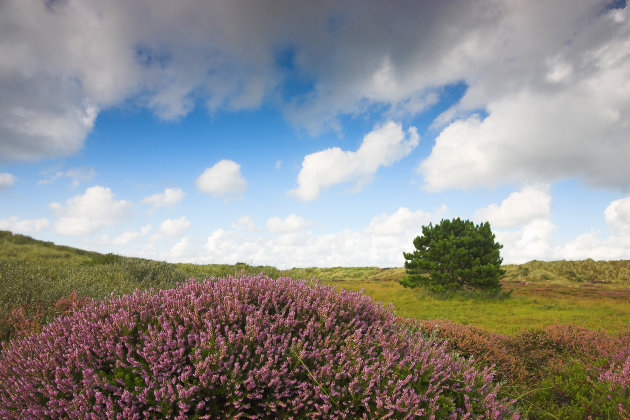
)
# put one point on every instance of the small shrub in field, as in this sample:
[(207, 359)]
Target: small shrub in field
[(484, 347), (250, 347), (67, 304), (16, 323)]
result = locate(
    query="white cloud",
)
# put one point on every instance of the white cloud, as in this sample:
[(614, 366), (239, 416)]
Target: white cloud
[(556, 99), (86, 213), (169, 197), (129, 236), (382, 146), (291, 223), (24, 226), (77, 176), (617, 215), (402, 222), (555, 88), (182, 249), (223, 179), (6, 180), (519, 208), (532, 241), (522, 224), (380, 243), (244, 222), (174, 227), (593, 245)]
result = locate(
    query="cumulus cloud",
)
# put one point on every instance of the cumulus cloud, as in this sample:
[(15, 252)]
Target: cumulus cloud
[(557, 103), (522, 224), (382, 146), (617, 215), (402, 222), (174, 227), (86, 213), (169, 197), (222, 179), (380, 243), (244, 222), (531, 241), (77, 176), (291, 223), (182, 249), (6, 180), (519, 208), (597, 246), (24, 226), (554, 89), (127, 237)]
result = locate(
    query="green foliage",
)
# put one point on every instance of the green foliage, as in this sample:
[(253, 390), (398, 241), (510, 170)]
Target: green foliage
[(452, 255)]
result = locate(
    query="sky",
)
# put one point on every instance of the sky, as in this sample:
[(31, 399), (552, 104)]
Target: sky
[(326, 133)]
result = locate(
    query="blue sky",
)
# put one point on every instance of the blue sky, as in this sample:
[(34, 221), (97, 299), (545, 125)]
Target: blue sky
[(315, 134)]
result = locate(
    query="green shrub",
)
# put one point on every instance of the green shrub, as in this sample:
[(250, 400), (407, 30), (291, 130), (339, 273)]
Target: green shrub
[(454, 254)]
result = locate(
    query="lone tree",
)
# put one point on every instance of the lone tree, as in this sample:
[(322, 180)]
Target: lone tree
[(454, 254)]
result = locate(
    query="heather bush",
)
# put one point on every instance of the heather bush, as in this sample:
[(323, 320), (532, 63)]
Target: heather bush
[(68, 304), (484, 347), (16, 323), (250, 347), (561, 371)]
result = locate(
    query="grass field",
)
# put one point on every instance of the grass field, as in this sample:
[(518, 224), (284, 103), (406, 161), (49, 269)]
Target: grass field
[(539, 298)]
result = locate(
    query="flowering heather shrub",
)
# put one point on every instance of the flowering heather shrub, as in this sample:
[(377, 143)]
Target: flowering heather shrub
[(250, 347), (574, 372), (617, 376), (584, 343), (67, 304), (484, 347), (569, 371), (16, 323)]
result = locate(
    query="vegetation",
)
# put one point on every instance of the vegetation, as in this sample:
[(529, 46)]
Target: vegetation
[(573, 370), (452, 255), (240, 347), (560, 371)]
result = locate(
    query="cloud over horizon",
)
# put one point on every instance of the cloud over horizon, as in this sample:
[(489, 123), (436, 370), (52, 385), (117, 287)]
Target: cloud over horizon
[(88, 212)]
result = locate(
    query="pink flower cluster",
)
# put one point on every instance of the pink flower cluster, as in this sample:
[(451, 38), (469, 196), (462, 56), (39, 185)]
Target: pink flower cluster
[(248, 347)]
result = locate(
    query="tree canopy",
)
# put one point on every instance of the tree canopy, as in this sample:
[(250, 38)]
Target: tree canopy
[(454, 254)]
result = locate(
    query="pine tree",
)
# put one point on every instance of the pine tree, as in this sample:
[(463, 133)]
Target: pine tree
[(454, 254)]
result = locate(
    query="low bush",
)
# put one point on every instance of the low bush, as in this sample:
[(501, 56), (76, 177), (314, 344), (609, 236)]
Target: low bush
[(483, 347), (251, 347), (561, 371)]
